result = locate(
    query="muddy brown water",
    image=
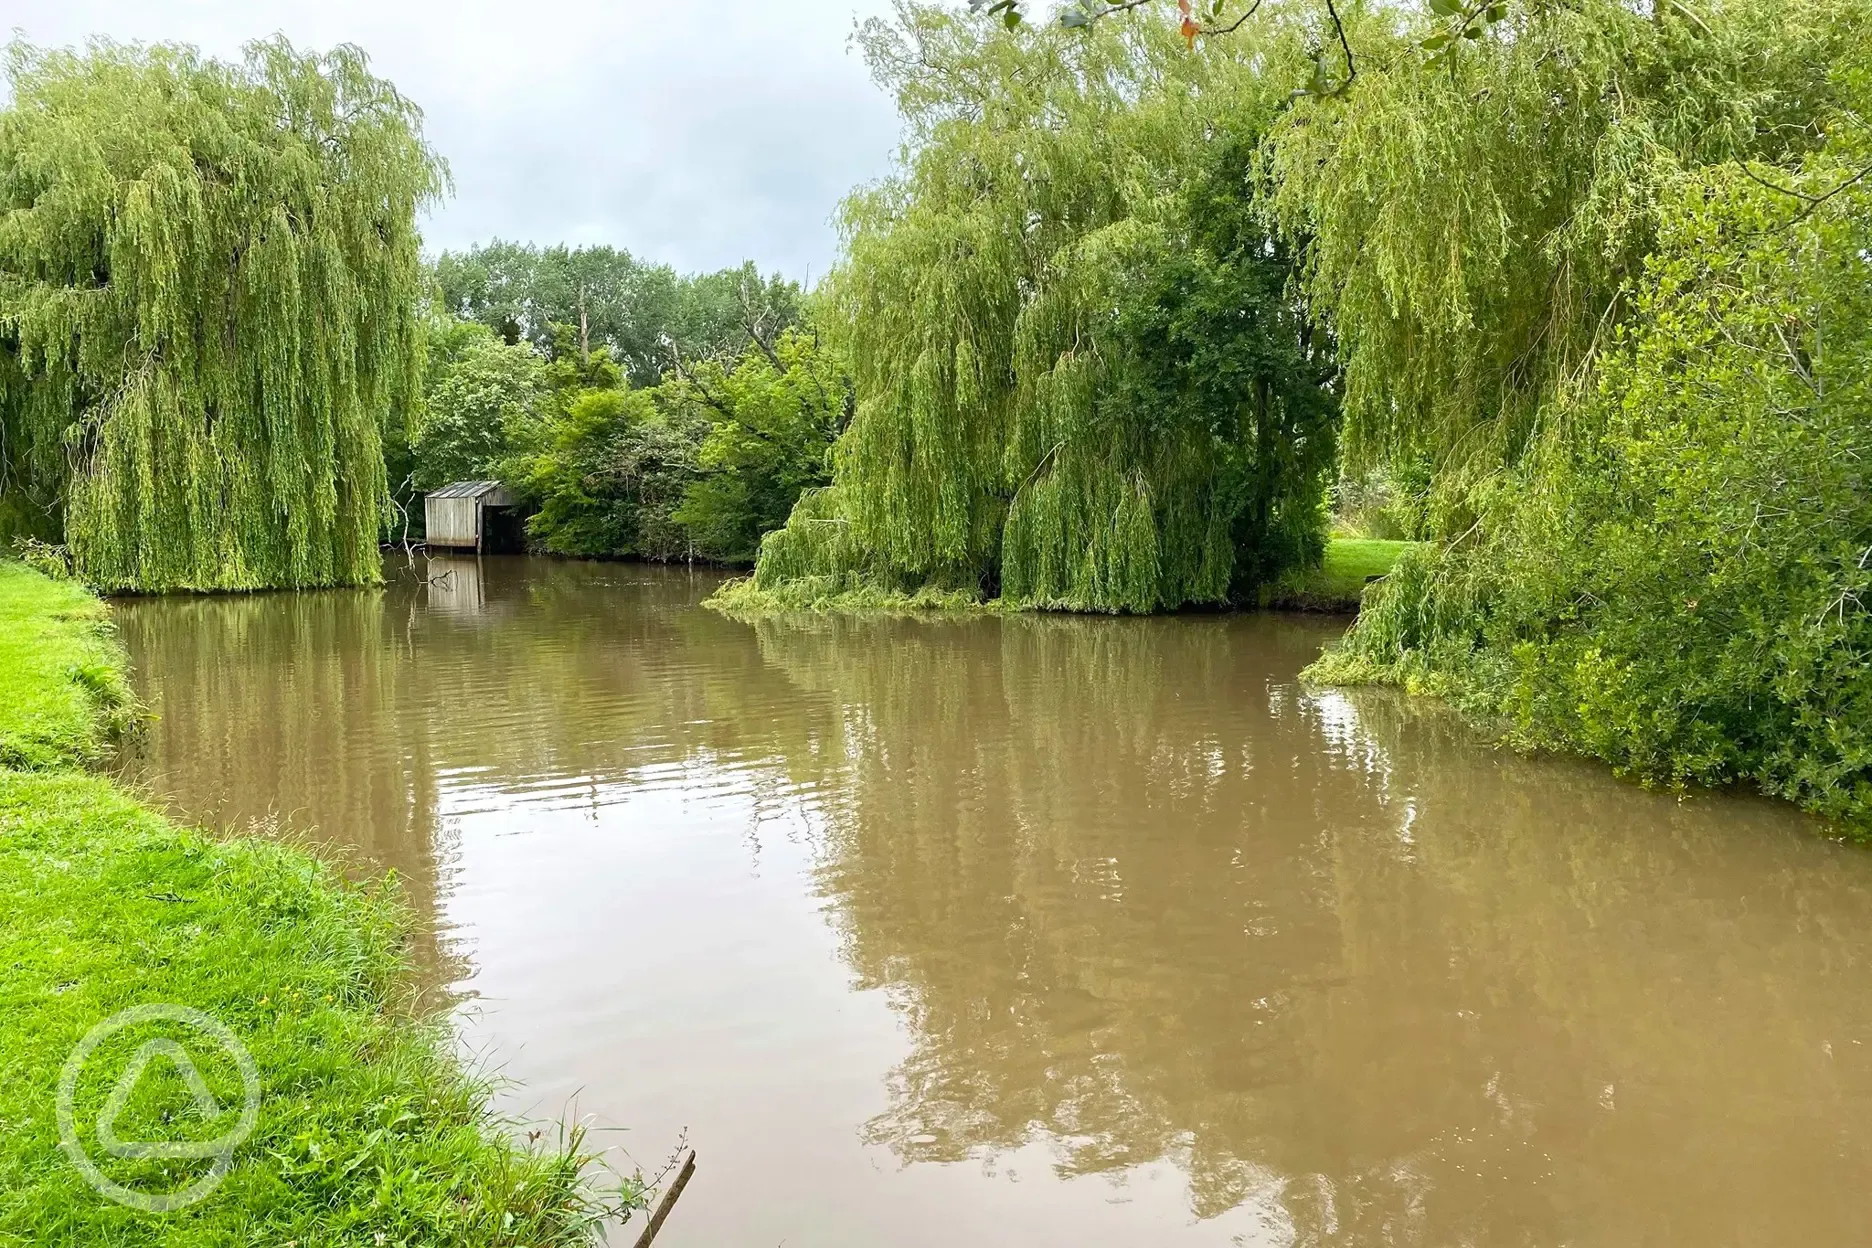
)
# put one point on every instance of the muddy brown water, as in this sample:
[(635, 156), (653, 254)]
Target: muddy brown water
[(1046, 930)]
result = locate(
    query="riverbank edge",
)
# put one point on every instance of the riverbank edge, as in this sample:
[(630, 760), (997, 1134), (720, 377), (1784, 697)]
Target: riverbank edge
[(370, 1131), (1453, 684), (1335, 587)]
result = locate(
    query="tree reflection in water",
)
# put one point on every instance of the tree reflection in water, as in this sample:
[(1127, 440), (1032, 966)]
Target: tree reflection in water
[(1139, 895)]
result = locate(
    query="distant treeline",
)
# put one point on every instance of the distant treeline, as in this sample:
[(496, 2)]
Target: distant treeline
[(634, 411), (647, 314)]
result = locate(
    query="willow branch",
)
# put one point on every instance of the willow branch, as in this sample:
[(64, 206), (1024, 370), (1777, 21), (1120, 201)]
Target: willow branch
[(1351, 70), (1232, 27), (1812, 202)]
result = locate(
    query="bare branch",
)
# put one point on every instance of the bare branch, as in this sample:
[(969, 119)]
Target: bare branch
[(1351, 70), (751, 319), (684, 375), (1813, 202), (1235, 25)]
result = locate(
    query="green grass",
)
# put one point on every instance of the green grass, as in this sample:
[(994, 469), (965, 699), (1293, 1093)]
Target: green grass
[(1339, 581), (63, 695), (369, 1132)]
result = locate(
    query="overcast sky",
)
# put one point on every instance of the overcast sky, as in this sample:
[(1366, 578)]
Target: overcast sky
[(697, 132)]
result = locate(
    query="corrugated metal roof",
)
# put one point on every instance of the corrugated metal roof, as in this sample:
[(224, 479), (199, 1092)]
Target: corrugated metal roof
[(465, 489)]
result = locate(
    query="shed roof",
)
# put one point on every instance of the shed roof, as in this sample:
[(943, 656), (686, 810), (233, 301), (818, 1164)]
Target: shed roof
[(465, 489)]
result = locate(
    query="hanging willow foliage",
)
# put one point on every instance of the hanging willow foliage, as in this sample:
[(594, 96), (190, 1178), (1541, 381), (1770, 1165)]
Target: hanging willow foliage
[(1475, 224), (1073, 388), (208, 281)]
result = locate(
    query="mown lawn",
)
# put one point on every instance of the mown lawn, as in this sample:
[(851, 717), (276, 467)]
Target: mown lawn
[(63, 694), (1339, 581), (367, 1131)]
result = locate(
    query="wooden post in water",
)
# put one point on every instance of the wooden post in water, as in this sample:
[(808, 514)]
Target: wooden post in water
[(668, 1202)]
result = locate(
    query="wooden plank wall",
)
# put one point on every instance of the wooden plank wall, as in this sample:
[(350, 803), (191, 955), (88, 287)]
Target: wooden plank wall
[(452, 521)]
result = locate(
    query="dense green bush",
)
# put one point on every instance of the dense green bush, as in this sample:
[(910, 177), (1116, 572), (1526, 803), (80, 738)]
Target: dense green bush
[(606, 476), (481, 398), (1676, 578), (697, 467), (1604, 271), (772, 416)]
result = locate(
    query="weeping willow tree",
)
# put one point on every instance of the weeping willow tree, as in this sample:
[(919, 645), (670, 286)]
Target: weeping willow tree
[(1081, 382), (1475, 223), (208, 281), (1610, 270)]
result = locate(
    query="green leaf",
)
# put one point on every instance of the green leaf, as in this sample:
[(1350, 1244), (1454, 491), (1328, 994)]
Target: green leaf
[(1472, 32), (1073, 19), (1011, 17), (1445, 8), (1436, 41), (1496, 12)]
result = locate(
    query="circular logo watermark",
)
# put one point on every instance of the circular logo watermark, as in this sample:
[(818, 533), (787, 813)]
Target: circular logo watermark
[(160, 1049)]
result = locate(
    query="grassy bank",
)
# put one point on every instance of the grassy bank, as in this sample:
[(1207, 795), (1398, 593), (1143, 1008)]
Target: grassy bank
[(1339, 581), (741, 598), (63, 694), (368, 1132), (1333, 586)]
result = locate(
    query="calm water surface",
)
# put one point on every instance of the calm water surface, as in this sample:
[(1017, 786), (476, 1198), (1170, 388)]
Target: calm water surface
[(1050, 931)]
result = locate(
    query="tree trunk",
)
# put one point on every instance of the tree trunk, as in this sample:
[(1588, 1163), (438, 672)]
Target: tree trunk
[(584, 329)]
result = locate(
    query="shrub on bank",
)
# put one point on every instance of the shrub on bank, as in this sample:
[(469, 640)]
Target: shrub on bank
[(1677, 578)]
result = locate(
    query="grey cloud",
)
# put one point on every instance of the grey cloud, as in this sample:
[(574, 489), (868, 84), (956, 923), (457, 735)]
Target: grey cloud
[(696, 135)]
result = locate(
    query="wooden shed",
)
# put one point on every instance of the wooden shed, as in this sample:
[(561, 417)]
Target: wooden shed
[(471, 515)]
